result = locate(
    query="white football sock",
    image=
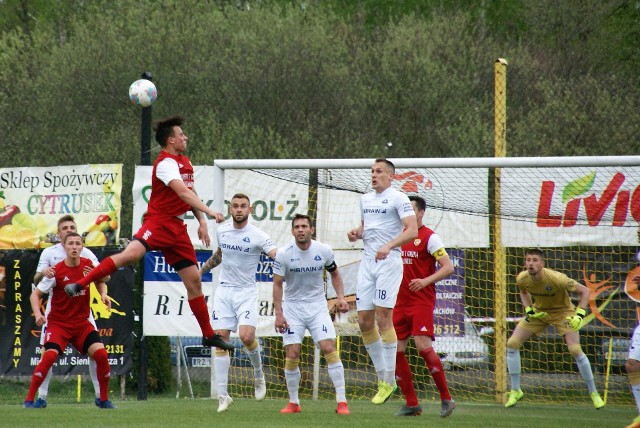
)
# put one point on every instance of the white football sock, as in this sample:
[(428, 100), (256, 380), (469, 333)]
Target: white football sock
[(222, 364), (293, 384), (336, 373)]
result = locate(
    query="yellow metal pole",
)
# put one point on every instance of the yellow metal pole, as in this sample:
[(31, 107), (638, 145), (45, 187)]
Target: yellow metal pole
[(79, 387), (499, 259)]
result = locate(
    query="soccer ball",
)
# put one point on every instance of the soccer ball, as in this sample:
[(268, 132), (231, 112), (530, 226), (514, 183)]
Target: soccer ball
[(143, 93)]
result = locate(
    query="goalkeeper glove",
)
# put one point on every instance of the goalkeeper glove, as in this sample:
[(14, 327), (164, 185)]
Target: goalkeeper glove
[(534, 313), (575, 322)]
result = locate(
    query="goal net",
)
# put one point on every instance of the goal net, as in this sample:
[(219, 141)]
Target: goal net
[(582, 212)]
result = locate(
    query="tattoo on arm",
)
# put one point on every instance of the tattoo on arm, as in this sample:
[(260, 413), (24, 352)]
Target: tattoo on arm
[(212, 262)]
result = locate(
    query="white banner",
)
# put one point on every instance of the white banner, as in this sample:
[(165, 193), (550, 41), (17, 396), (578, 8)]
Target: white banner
[(550, 207), (33, 199)]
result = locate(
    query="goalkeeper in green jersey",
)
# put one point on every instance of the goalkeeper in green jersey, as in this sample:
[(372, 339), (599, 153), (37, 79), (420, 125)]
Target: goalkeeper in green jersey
[(545, 295)]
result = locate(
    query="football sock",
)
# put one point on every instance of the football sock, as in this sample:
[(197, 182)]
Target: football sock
[(584, 366), (43, 390), (103, 371), (40, 372), (513, 366), (256, 360), (336, 373), (375, 351), (634, 380), (93, 372), (389, 350), (105, 268), (437, 372), (222, 362), (405, 379), (199, 308), (293, 383)]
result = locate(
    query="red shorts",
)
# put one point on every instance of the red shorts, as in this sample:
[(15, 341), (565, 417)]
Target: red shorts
[(413, 321), (62, 334), (169, 235)]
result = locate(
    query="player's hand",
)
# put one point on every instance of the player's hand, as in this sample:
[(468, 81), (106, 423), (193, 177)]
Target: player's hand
[(352, 235), (383, 252), (40, 320), (575, 322), (281, 323), (50, 272), (342, 305), (218, 217), (86, 270), (106, 300), (417, 284), (72, 289), (203, 234), (636, 280), (534, 313)]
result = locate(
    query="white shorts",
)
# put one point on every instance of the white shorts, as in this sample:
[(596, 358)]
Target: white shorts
[(379, 282), (235, 306), (303, 316), (634, 347)]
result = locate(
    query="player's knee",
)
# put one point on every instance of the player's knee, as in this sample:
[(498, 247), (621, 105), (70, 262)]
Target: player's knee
[(291, 364), (332, 357), (632, 366), (514, 343), (252, 346), (575, 350), (389, 335), (248, 339), (370, 336)]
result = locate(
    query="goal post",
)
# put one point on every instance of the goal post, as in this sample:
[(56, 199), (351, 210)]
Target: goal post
[(582, 211)]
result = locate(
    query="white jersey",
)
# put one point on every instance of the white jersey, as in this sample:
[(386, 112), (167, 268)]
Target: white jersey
[(241, 249), (53, 255), (303, 271), (382, 214)]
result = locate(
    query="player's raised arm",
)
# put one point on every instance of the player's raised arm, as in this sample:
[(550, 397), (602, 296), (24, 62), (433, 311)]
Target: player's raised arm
[(191, 198)]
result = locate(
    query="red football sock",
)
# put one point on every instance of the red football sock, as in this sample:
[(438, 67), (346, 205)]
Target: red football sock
[(405, 379), (199, 308), (103, 371), (40, 372), (105, 268), (437, 372)]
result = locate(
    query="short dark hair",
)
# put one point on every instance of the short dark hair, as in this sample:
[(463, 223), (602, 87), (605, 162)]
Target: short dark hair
[(420, 202), (164, 128), (535, 252), (241, 196), (71, 235), (301, 216), (64, 218), (388, 163)]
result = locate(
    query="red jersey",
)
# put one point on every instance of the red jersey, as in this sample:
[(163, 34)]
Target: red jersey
[(417, 262), (164, 201), (62, 308)]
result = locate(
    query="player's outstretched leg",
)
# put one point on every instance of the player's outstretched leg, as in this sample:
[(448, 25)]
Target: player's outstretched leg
[(513, 397)]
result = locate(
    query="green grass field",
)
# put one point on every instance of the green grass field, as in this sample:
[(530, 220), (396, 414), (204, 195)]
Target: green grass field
[(167, 412)]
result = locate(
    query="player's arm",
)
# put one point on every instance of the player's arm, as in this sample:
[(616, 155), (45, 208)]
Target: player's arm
[(409, 233), (529, 310), (102, 289), (191, 198), (356, 233), (575, 321), (203, 228), (281, 322), (34, 299), (336, 281), (446, 269), (211, 262)]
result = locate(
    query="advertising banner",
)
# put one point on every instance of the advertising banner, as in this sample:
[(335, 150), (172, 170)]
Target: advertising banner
[(570, 206), (20, 336), (33, 199)]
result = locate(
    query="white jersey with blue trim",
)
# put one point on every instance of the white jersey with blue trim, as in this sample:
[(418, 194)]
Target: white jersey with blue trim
[(382, 214), (303, 271), (241, 249)]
